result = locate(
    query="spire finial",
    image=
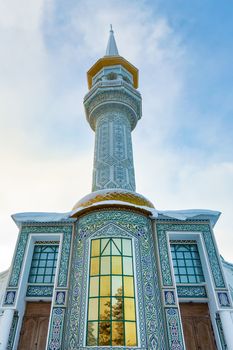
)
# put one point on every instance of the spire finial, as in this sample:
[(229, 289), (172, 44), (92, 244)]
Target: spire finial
[(111, 47)]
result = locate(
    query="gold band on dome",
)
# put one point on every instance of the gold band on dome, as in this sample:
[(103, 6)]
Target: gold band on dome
[(112, 61), (127, 197)]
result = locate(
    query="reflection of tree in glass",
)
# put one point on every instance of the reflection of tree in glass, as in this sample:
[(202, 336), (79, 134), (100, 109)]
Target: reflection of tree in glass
[(117, 315), (91, 339), (104, 327)]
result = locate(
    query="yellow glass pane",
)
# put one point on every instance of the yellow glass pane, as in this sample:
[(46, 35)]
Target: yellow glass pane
[(104, 333), (129, 309), (94, 266), (105, 285), (117, 265), (130, 334), (94, 287), (117, 333), (93, 309), (105, 265), (117, 309), (92, 333), (95, 247), (104, 309), (128, 286)]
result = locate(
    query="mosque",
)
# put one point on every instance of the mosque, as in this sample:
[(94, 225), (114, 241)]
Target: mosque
[(114, 272)]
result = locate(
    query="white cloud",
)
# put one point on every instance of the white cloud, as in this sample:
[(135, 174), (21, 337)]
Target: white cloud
[(46, 145)]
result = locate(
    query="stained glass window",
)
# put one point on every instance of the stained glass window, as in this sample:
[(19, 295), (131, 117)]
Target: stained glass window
[(187, 263), (111, 300), (43, 266)]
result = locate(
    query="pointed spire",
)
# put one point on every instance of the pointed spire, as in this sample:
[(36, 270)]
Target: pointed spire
[(111, 47)]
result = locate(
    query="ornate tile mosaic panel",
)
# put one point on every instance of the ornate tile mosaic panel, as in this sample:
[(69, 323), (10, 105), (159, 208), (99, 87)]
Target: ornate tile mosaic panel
[(191, 291), (39, 291), (13, 329), (56, 328), (174, 329)]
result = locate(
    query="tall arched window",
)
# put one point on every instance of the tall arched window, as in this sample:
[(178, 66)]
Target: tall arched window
[(111, 299)]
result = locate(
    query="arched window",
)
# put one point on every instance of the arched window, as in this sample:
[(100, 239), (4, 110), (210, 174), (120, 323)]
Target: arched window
[(111, 299), (112, 76)]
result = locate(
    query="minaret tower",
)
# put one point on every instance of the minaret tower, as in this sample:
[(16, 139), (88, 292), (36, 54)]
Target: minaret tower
[(113, 108)]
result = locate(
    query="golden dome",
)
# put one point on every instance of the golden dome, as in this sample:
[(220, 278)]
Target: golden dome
[(114, 196)]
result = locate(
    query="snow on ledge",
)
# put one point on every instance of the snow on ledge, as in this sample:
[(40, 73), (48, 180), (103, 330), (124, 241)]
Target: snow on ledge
[(182, 215)]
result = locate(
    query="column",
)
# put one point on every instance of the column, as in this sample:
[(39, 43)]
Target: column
[(5, 326), (227, 326)]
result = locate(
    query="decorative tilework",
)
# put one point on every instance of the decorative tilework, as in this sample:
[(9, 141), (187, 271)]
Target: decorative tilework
[(10, 297), (169, 297), (223, 299), (21, 246), (113, 159), (174, 329), (39, 291), (56, 329), (60, 298), (209, 244), (12, 333), (18, 260), (125, 224), (191, 292), (220, 332)]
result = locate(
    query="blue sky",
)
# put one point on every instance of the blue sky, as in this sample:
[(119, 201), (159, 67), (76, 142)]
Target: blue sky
[(183, 144)]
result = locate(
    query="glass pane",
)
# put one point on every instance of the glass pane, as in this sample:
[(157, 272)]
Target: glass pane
[(183, 279), (104, 244), (116, 246), (104, 333), (41, 271), (130, 334), (128, 287), (117, 309), (105, 265), (47, 279), (92, 333), (93, 309), (106, 250), (95, 247), (39, 279), (105, 285), (127, 247), (180, 262), (116, 285), (192, 279), (117, 333), (127, 266), (94, 266), (43, 263), (104, 308), (129, 309), (117, 265), (94, 287)]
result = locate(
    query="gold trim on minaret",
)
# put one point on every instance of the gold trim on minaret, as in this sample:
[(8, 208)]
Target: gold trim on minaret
[(107, 61)]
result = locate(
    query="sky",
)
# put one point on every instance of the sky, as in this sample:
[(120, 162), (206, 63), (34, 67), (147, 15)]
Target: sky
[(183, 145)]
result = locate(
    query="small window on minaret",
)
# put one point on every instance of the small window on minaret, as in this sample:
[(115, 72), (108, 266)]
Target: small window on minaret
[(112, 76)]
